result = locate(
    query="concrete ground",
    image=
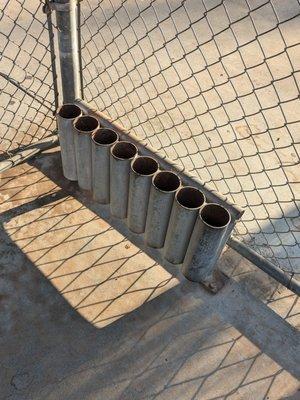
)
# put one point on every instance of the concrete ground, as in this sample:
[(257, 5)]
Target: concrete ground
[(87, 312)]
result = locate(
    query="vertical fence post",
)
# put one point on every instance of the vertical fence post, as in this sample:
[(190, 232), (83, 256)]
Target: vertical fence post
[(66, 19)]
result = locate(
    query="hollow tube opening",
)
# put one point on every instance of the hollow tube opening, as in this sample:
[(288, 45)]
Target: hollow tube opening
[(190, 197), (86, 123), (69, 111), (145, 166), (105, 136), (166, 181), (124, 150), (215, 215)]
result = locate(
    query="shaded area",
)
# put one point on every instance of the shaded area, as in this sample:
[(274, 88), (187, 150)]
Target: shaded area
[(184, 343)]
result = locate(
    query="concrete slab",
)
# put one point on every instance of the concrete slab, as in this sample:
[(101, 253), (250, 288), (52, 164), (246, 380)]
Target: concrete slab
[(89, 313)]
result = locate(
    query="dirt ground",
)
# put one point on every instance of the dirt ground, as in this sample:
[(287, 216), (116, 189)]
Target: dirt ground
[(87, 312)]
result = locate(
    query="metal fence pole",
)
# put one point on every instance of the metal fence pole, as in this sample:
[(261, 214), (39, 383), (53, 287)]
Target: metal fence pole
[(66, 19), (269, 268)]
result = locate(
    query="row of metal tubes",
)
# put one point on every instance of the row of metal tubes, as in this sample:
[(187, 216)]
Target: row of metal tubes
[(154, 201), (69, 57), (286, 279)]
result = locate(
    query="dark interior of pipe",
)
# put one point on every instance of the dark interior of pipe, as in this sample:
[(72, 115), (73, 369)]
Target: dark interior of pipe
[(105, 136), (166, 181), (124, 150), (145, 166), (215, 215), (69, 111), (86, 123), (190, 197)]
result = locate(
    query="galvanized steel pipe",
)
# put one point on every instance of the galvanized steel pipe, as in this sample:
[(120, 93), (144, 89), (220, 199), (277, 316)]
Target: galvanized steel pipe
[(102, 141), (187, 203), (285, 278), (141, 173), (83, 129), (65, 117), (205, 244), (121, 155), (162, 193), (66, 21)]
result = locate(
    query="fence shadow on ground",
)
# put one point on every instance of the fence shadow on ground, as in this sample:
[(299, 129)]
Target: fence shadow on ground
[(184, 343)]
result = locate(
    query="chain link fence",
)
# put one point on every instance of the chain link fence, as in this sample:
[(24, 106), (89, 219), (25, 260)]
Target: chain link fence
[(214, 85), (26, 83)]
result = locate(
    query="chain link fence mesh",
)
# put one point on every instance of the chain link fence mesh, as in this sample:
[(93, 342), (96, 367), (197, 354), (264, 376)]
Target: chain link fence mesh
[(214, 85), (26, 82)]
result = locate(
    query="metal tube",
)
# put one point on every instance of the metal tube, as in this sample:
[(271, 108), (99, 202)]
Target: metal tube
[(50, 26), (187, 203), (146, 150), (286, 279), (121, 155), (162, 193), (66, 21), (65, 117), (102, 141), (83, 129), (141, 173), (204, 247)]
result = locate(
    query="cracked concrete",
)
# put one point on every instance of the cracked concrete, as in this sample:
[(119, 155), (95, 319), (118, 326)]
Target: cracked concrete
[(88, 312)]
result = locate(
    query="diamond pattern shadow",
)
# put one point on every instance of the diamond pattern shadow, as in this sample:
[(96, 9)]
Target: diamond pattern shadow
[(157, 337)]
